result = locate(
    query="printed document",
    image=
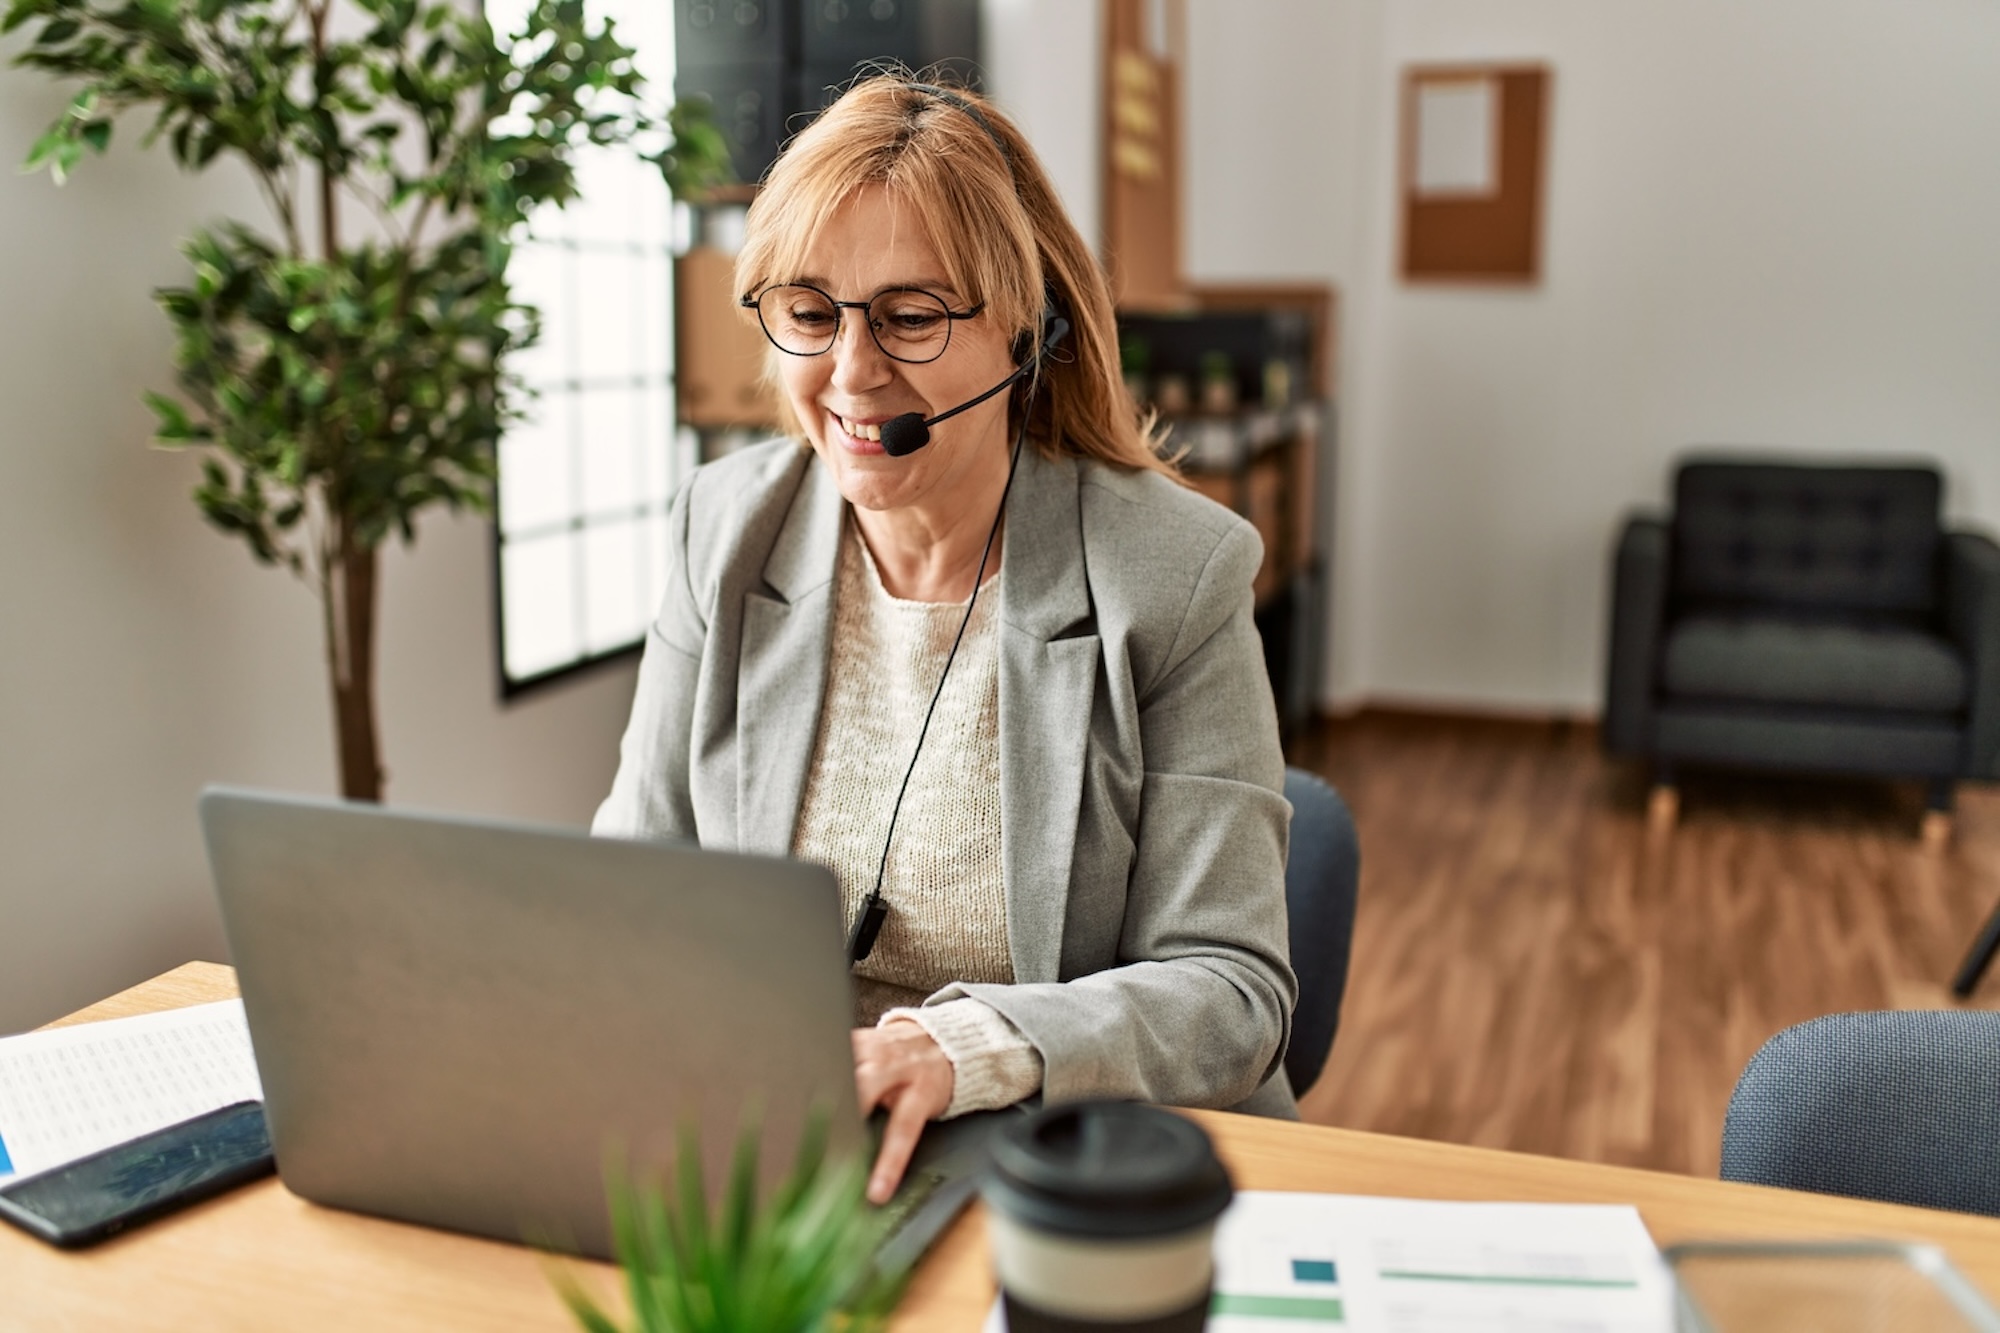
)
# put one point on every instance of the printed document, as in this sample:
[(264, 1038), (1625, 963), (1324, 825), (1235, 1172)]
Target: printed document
[(68, 1092), (1307, 1263)]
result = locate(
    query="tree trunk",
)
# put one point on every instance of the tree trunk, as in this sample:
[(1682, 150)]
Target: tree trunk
[(350, 653)]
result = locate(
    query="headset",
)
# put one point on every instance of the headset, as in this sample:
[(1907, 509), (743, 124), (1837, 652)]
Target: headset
[(904, 435)]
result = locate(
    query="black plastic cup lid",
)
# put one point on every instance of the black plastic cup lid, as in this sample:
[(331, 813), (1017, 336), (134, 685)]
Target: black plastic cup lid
[(1111, 1170)]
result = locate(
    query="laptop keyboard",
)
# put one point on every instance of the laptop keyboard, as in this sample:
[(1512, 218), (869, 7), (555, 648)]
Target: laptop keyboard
[(918, 1186)]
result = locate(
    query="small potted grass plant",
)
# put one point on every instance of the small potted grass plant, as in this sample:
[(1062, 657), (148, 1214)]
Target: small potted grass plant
[(801, 1260)]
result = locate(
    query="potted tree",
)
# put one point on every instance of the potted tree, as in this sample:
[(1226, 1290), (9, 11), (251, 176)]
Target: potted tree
[(343, 369)]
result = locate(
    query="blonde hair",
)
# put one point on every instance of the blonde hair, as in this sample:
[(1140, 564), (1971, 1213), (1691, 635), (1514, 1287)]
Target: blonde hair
[(997, 226)]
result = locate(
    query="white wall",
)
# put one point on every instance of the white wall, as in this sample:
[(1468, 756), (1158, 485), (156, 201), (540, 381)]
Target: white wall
[(1044, 66), (1768, 224), (144, 655)]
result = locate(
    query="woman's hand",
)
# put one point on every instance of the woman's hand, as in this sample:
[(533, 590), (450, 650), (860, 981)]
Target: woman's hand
[(899, 1067)]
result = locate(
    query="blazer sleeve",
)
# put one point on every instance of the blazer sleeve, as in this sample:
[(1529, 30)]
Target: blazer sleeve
[(1198, 1009), (650, 797)]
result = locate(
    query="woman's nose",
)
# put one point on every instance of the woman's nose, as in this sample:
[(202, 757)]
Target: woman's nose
[(857, 362)]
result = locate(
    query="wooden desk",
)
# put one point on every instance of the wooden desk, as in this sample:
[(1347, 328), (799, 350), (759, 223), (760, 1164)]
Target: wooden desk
[(260, 1258)]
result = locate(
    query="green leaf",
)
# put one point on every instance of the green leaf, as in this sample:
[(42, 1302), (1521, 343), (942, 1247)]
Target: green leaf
[(58, 31), (44, 150), (21, 11), (173, 418)]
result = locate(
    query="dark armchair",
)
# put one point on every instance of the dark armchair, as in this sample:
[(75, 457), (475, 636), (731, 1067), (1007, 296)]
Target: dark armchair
[(1810, 619)]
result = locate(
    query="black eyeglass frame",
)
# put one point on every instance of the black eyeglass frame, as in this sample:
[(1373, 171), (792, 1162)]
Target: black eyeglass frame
[(756, 302)]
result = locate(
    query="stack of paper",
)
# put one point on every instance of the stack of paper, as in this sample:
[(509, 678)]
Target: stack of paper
[(1295, 1263), (68, 1092)]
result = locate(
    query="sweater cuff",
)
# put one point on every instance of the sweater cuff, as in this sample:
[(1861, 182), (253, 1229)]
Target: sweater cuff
[(993, 1065)]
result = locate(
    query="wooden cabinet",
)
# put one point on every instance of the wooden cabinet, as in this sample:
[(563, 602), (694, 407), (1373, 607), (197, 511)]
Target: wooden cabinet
[(719, 350)]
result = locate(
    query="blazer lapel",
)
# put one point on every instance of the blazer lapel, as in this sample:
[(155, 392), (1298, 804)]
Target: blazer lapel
[(781, 673), (1048, 680)]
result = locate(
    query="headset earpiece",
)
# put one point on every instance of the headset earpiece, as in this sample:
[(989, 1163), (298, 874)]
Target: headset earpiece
[(1050, 329)]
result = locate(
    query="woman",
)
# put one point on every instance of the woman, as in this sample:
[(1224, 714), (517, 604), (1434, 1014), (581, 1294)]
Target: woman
[(1081, 871)]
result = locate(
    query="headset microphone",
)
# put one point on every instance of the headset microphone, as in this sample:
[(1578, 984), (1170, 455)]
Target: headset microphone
[(904, 435), (912, 433)]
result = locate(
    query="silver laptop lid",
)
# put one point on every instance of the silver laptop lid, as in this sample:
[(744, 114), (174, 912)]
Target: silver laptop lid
[(455, 1020)]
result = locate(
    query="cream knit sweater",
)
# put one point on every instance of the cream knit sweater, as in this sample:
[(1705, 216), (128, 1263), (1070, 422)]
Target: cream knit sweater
[(947, 902)]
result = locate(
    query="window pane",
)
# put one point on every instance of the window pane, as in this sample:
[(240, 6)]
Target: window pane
[(647, 26), (610, 181), (656, 315), (584, 482), (536, 474), (607, 317), (538, 606), (613, 611), (541, 276), (612, 478)]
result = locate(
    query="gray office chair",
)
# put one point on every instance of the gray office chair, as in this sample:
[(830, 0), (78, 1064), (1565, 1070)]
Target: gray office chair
[(1899, 1107), (1321, 876)]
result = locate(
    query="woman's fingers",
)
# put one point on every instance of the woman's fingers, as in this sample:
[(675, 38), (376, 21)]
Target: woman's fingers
[(898, 1066), (906, 1125)]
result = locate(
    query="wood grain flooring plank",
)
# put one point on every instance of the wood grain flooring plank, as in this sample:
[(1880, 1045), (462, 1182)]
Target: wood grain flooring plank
[(1538, 968)]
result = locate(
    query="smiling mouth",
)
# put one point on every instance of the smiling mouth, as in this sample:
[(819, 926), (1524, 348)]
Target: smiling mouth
[(872, 433)]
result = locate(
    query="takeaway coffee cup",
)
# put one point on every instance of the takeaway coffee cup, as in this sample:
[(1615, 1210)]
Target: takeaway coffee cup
[(1102, 1217)]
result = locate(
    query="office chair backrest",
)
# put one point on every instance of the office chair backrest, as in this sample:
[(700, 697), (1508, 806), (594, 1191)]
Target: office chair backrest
[(1900, 1107), (1321, 875), (1800, 536)]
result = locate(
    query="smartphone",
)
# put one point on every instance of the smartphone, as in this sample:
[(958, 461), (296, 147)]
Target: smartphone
[(100, 1195)]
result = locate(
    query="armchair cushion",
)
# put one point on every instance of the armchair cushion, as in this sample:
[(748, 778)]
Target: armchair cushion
[(1856, 539), (1831, 663)]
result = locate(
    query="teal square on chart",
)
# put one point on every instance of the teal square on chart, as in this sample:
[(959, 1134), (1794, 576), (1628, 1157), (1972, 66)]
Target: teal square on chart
[(1314, 1270)]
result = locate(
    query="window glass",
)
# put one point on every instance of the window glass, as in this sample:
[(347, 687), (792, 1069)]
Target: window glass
[(585, 480)]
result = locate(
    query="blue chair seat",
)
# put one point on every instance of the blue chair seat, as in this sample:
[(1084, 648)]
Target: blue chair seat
[(1322, 875), (1902, 1107)]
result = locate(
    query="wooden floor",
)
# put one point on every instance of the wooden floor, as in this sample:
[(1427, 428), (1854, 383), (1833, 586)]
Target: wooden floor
[(1533, 970)]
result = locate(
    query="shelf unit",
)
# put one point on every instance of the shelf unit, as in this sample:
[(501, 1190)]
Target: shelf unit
[(1264, 462)]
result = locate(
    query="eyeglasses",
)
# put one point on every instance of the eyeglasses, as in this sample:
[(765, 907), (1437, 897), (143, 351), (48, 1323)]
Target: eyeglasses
[(907, 323)]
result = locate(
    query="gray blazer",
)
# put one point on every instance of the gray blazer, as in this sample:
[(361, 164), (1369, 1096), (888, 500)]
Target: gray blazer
[(1142, 819)]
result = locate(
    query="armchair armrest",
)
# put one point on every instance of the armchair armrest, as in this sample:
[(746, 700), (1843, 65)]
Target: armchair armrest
[(1972, 619), (1638, 608)]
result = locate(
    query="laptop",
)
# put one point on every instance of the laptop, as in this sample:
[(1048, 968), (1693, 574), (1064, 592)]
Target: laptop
[(460, 1022)]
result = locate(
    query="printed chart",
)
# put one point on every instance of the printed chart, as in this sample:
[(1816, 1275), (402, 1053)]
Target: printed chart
[(67, 1092), (1288, 1263)]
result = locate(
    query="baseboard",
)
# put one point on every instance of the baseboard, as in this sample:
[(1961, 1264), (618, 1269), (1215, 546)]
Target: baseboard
[(1434, 710)]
